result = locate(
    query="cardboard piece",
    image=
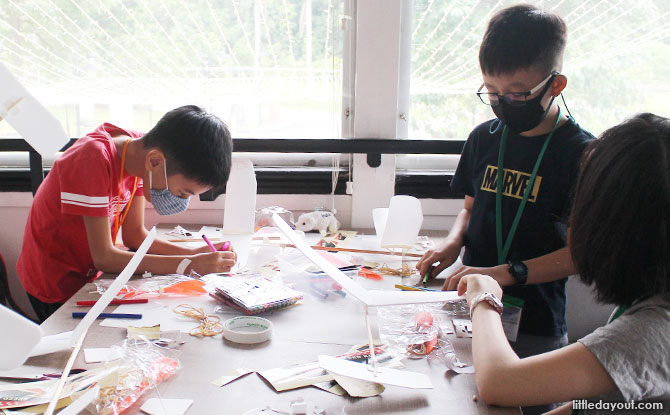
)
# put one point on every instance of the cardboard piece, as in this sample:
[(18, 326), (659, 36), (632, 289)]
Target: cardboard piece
[(383, 375)]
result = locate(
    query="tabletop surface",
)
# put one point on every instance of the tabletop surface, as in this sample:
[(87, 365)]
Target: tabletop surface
[(301, 333)]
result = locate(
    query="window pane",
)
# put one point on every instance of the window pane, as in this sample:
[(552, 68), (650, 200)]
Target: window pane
[(616, 62), (269, 68)]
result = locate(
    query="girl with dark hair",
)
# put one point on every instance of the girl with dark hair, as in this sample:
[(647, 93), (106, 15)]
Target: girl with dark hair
[(620, 242)]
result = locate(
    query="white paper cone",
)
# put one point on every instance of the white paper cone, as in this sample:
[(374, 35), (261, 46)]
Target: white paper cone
[(403, 223)]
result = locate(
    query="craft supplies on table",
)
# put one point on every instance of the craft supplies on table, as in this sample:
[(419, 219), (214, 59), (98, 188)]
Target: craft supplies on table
[(247, 329), (254, 294)]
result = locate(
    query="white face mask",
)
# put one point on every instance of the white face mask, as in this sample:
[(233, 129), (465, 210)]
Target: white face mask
[(164, 201)]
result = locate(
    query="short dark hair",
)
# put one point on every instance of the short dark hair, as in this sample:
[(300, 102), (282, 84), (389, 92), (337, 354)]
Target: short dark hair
[(620, 221), (197, 145), (523, 37)]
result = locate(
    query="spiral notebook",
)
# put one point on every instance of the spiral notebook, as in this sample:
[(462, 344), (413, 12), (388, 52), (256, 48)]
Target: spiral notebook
[(255, 294)]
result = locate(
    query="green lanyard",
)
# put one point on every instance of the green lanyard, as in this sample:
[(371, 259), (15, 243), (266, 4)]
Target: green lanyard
[(617, 313), (504, 250)]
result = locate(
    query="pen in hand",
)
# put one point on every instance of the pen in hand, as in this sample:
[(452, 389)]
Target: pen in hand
[(428, 274), (208, 243)]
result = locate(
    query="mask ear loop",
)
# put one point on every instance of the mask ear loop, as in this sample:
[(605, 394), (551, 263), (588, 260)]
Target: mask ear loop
[(497, 124), (165, 170), (566, 106)]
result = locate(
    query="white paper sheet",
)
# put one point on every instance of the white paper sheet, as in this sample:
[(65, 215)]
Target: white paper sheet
[(82, 402), (114, 289), (384, 375), (26, 335), (403, 222), (101, 354), (236, 374), (53, 343), (156, 406)]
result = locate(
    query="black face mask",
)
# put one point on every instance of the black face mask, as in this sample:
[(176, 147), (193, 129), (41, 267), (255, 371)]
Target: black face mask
[(524, 117)]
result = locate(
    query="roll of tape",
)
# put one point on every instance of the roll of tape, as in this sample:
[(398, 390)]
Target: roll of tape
[(247, 329)]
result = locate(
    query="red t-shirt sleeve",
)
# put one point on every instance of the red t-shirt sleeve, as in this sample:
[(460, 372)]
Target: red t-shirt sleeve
[(85, 181)]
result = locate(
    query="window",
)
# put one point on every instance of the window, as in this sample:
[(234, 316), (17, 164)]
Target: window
[(615, 60), (269, 68)]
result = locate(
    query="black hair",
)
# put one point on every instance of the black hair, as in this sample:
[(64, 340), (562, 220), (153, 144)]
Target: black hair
[(620, 220), (523, 37), (197, 145)]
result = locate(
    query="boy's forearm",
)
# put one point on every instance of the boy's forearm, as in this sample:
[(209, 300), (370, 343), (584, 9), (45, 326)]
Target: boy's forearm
[(550, 267), (133, 239), (457, 233), (163, 247), (116, 260)]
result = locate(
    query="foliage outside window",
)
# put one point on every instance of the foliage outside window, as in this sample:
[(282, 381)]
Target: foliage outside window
[(269, 68), (616, 61)]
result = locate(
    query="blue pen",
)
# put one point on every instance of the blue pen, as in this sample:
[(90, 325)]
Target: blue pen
[(81, 314), (319, 292)]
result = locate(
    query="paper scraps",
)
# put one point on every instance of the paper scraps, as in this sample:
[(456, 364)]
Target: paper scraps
[(236, 374), (155, 406)]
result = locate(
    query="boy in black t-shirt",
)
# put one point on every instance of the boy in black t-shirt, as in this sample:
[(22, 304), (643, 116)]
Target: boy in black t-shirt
[(514, 229)]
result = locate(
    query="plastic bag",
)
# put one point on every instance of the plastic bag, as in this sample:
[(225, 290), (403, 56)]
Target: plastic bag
[(173, 285), (142, 365), (413, 330)]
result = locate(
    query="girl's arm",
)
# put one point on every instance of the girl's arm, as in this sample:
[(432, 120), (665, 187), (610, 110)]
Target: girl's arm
[(504, 379)]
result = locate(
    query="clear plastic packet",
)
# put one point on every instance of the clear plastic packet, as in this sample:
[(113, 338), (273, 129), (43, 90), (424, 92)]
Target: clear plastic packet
[(414, 330), (263, 216), (174, 285), (142, 366)]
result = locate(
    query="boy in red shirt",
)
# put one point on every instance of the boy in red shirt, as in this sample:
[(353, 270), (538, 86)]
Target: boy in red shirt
[(97, 185)]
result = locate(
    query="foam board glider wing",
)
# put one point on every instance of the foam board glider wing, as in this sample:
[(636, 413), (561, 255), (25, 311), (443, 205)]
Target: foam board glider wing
[(28, 117)]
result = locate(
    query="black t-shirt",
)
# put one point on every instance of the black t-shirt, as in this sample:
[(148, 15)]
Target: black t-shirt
[(542, 228)]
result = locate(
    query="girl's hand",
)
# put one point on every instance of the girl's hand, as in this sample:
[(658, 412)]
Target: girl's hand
[(475, 284)]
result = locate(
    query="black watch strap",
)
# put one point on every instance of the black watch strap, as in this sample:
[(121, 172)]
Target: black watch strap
[(519, 271)]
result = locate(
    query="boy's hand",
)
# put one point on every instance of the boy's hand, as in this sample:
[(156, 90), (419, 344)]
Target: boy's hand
[(499, 273), (475, 284), (211, 262), (445, 255), (205, 248)]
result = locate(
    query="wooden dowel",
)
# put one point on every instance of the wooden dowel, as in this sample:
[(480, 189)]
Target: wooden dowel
[(358, 251)]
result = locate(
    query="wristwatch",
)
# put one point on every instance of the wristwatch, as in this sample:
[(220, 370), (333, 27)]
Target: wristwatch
[(491, 299), (519, 271)]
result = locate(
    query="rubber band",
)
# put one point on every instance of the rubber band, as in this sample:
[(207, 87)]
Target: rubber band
[(209, 325)]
